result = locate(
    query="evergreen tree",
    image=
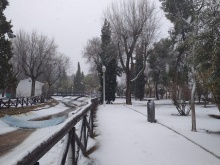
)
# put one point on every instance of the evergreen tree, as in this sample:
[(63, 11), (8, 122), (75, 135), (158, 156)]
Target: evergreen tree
[(208, 53), (158, 60), (139, 82), (111, 82), (91, 82), (83, 87), (108, 58), (176, 11), (78, 80), (7, 80)]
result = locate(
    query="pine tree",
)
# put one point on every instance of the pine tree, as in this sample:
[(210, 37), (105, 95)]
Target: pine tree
[(6, 76), (158, 61), (108, 58)]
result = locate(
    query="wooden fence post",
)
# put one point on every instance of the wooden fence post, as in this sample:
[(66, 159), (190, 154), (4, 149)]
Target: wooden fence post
[(73, 147), (9, 103), (16, 102), (22, 101), (84, 132)]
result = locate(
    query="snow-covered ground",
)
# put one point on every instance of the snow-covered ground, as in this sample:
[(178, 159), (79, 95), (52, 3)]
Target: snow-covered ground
[(39, 135), (4, 128), (126, 138)]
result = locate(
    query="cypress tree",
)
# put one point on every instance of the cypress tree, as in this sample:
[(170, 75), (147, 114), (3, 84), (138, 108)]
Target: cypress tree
[(100, 75), (78, 80), (6, 75), (83, 87), (111, 82), (139, 85), (108, 58)]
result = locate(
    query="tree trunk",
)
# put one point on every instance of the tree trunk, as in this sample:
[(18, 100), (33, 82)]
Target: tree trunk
[(193, 102), (199, 97), (193, 97), (128, 89), (166, 93), (205, 100), (195, 34), (3, 92), (48, 91), (33, 87), (156, 90)]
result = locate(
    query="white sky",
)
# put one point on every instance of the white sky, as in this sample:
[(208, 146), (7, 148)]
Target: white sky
[(70, 22)]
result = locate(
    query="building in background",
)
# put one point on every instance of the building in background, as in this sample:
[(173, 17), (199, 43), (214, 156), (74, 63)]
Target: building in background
[(24, 88)]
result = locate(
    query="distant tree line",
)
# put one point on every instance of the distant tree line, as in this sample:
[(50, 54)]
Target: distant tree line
[(36, 56), (184, 66), (128, 27)]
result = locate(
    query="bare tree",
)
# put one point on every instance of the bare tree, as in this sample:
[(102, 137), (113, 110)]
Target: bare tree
[(33, 52), (17, 73), (53, 69), (92, 52), (17, 68), (133, 22)]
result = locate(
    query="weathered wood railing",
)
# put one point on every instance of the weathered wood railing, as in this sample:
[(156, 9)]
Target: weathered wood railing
[(77, 138), (22, 101)]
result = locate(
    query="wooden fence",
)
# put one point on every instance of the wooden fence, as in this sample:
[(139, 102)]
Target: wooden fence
[(23, 101), (77, 139)]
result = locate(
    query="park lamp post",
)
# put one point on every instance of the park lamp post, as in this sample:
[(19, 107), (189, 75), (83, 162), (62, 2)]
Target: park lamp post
[(103, 70)]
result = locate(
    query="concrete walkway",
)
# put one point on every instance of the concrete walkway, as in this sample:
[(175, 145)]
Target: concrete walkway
[(126, 138)]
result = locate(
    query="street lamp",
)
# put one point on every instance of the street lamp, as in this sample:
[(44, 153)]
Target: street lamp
[(103, 70)]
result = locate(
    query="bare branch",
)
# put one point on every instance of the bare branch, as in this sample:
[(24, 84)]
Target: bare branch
[(33, 52)]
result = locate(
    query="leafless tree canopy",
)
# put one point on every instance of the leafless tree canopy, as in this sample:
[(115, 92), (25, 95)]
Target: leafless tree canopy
[(55, 66), (33, 51), (92, 52), (133, 22), (58, 64)]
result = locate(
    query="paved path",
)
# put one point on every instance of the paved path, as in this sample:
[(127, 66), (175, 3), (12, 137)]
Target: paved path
[(126, 138)]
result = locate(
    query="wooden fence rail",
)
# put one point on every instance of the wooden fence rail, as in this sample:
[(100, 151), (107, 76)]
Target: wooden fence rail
[(77, 138), (22, 101)]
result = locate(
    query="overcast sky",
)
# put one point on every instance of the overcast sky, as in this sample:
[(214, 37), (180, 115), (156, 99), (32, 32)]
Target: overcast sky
[(70, 22)]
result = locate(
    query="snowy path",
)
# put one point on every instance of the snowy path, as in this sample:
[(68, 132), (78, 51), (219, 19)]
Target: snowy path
[(126, 138)]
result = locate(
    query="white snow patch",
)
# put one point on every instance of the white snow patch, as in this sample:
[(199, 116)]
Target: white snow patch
[(125, 136)]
